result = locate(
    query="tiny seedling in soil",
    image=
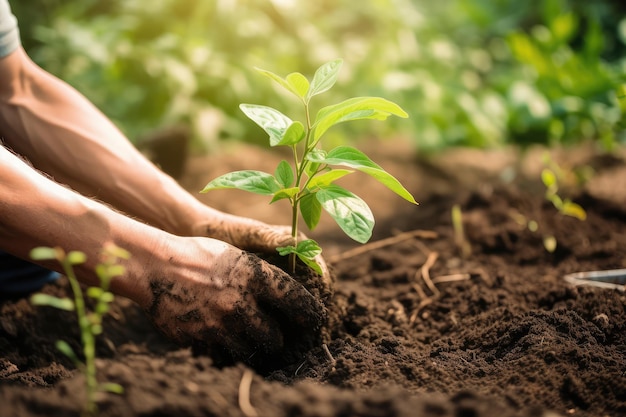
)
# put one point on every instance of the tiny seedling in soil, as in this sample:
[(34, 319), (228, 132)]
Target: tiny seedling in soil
[(90, 322), (551, 176), (459, 232), (308, 182)]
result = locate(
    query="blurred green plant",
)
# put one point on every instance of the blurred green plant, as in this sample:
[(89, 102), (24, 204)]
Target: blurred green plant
[(551, 176), (479, 73), (90, 323)]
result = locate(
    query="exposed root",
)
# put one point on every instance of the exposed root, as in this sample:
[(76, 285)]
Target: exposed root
[(425, 272), (451, 278), (332, 360), (244, 394)]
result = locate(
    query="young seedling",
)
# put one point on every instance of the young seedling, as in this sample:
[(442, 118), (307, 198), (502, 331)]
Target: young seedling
[(309, 181), (550, 178), (90, 322), (459, 232)]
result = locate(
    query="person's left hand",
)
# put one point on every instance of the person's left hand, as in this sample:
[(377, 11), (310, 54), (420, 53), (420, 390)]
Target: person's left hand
[(255, 236)]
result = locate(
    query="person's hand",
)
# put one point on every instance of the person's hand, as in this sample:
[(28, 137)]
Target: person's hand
[(256, 236), (212, 293)]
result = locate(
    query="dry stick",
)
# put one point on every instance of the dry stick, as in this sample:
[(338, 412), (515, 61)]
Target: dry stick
[(333, 362), (424, 234), (425, 270), (244, 394), (451, 278), (419, 308)]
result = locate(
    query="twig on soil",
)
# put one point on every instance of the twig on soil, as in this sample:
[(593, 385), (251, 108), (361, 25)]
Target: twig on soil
[(420, 292), (330, 355), (244, 394), (425, 272), (423, 234), (419, 308), (451, 278)]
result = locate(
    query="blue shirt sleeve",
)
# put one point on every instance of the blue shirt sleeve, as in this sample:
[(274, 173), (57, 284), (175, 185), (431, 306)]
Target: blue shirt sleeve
[(9, 32)]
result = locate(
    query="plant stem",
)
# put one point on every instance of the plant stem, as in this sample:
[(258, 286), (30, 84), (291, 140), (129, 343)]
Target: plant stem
[(300, 166), (294, 233), (87, 338)]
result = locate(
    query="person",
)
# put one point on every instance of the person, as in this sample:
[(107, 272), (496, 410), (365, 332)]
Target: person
[(69, 178)]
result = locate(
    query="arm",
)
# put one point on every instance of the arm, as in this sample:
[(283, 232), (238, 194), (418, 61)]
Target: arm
[(194, 289), (35, 211), (63, 134)]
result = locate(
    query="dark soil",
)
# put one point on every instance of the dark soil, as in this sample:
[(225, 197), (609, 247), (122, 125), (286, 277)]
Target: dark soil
[(417, 329)]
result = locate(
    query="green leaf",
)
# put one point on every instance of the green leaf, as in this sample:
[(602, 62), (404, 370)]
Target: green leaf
[(286, 250), (269, 119), (353, 158), (351, 213), (306, 251), (570, 208), (298, 84), (96, 329), (324, 78), (40, 299), (356, 108), (293, 135), (43, 253), (311, 210), (311, 167), (293, 83), (548, 178), (112, 387), (115, 251), (94, 292), (258, 182), (308, 248), (76, 257), (67, 350), (549, 243), (327, 178), (284, 174), (284, 193), (115, 270), (311, 264)]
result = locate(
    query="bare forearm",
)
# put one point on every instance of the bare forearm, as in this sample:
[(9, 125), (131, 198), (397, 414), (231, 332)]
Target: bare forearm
[(35, 211), (64, 135)]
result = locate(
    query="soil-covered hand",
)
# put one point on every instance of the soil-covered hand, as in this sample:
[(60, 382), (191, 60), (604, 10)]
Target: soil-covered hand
[(256, 236), (214, 294)]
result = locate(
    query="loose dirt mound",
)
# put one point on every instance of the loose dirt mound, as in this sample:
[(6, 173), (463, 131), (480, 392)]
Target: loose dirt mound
[(417, 329)]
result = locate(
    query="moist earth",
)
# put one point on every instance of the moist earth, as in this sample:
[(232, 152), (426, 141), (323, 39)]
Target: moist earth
[(422, 322)]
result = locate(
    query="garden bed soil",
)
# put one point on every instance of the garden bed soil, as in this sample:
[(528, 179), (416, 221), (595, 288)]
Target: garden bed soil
[(417, 328)]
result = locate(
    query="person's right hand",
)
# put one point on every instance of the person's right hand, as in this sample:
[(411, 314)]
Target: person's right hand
[(259, 237), (215, 294)]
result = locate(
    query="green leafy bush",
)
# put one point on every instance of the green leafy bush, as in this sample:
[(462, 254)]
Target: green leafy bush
[(479, 73)]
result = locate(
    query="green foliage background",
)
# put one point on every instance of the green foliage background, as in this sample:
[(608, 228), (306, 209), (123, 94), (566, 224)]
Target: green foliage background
[(468, 72)]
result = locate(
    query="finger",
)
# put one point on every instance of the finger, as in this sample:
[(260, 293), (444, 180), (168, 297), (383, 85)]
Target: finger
[(276, 290)]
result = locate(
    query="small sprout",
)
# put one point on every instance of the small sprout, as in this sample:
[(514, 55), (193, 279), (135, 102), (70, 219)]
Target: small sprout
[(459, 232), (549, 243), (308, 182), (551, 176), (90, 322)]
